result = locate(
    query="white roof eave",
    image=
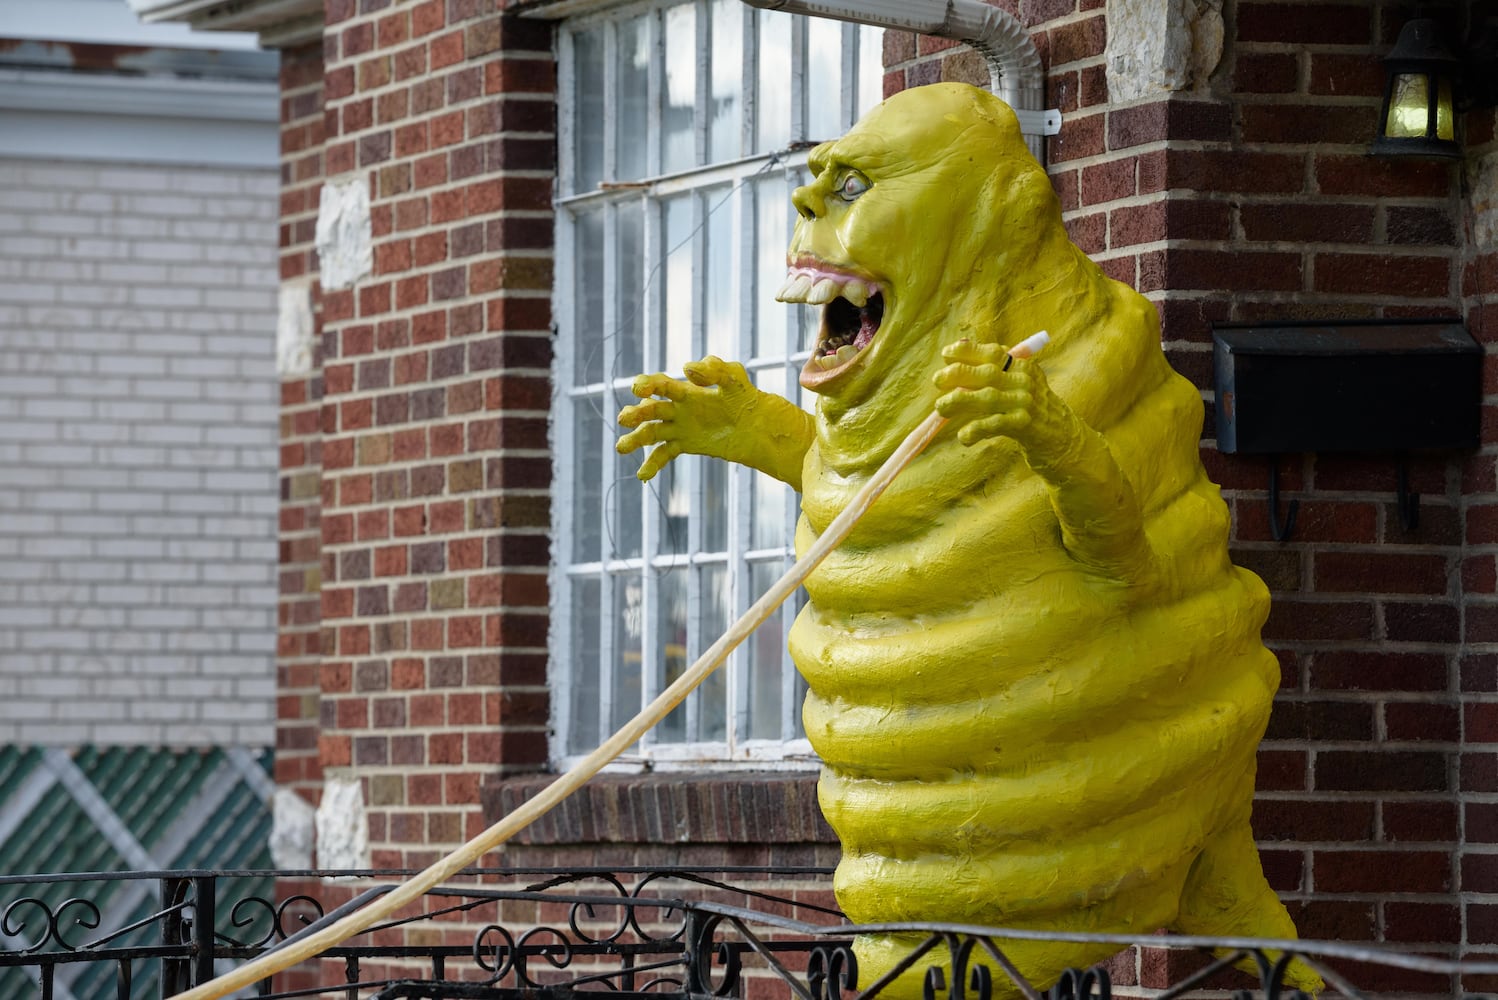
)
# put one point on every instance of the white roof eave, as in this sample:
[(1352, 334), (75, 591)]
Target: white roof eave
[(280, 23)]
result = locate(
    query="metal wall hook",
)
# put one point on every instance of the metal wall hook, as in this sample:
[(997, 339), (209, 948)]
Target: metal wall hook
[(1409, 500), (1279, 531)]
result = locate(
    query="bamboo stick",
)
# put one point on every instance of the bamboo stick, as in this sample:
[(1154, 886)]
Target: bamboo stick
[(552, 795)]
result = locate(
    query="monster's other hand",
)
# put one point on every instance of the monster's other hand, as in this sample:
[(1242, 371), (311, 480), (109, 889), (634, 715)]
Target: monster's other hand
[(716, 412), (989, 402)]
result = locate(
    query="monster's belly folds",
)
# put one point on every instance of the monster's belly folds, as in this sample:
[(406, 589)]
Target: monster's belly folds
[(1007, 739)]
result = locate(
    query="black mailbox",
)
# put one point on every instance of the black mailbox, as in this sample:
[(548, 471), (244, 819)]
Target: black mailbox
[(1376, 386)]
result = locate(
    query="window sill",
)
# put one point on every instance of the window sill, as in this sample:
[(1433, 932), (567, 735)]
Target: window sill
[(730, 808)]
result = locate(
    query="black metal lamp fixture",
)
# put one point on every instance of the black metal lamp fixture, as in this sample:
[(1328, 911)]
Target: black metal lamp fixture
[(1426, 83)]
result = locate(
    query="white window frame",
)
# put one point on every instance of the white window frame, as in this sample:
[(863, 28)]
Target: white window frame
[(741, 176)]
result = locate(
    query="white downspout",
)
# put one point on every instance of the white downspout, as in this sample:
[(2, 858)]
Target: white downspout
[(1014, 69)]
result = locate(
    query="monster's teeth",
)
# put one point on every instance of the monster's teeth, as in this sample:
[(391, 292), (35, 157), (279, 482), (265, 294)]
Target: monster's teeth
[(826, 361), (846, 353), (785, 289), (795, 290), (823, 292), (856, 292)]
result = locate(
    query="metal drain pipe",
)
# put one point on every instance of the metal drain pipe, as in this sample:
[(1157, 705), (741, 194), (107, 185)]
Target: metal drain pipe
[(1014, 69)]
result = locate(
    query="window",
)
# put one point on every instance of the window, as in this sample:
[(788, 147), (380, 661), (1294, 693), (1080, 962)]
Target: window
[(683, 130)]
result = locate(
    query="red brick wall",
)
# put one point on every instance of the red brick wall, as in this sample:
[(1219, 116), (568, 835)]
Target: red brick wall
[(436, 382), (1250, 198), (299, 619)]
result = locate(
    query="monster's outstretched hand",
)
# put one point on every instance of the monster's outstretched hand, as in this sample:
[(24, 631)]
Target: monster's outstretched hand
[(716, 412), (1101, 522)]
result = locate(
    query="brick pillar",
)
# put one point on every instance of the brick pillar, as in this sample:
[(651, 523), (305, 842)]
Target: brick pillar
[(436, 473), (298, 611), (1479, 665)]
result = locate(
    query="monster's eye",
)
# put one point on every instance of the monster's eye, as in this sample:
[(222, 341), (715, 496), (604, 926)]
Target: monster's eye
[(851, 184)]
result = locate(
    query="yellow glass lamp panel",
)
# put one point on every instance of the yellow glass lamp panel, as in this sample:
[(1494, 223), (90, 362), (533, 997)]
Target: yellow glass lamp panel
[(1409, 108)]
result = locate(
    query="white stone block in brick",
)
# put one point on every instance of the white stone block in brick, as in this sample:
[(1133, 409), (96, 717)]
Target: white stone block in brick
[(1485, 202), (293, 830), (342, 830), (345, 247), (1157, 46), (294, 329)]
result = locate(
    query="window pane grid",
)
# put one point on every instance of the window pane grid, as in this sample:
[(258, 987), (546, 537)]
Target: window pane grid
[(684, 265)]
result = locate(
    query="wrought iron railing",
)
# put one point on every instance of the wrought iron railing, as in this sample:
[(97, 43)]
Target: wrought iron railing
[(505, 934)]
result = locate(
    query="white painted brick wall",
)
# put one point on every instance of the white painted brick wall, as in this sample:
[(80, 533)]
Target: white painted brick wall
[(138, 451)]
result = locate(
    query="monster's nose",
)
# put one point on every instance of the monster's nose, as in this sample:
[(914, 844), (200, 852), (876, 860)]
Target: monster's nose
[(805, 200)]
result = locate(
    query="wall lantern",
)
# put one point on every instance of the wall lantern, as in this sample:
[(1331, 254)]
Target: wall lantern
[(1426, 83)]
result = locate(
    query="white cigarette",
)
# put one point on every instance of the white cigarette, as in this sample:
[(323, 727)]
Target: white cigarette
[(1031, 345)]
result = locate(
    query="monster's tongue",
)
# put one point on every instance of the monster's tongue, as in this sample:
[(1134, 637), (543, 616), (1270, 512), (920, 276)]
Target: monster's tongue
[(868, 325)]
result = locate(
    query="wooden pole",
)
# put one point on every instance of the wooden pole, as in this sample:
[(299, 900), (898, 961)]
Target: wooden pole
[(549, 797)]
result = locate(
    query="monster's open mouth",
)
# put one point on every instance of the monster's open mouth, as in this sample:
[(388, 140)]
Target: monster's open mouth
[(853, 310)]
